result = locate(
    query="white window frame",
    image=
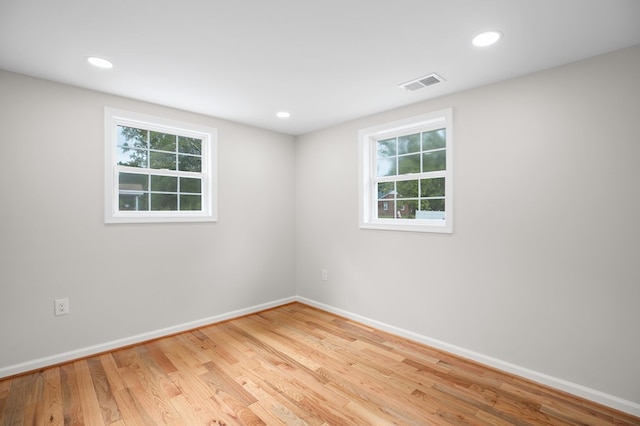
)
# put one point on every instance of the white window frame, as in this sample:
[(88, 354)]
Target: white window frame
[(114, 117), (368, 194)]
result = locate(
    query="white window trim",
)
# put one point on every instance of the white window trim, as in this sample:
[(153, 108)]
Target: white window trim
[(367, 189), (114, 117)]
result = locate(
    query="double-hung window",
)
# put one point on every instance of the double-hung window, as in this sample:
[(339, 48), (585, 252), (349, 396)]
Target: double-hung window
[(158, 170), (406, 174)]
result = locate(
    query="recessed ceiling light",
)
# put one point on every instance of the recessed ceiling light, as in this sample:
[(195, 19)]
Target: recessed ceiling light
[(487, 38), (283, 114), (99, 62)]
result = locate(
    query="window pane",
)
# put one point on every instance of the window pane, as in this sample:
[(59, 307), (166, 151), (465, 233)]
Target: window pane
[(386, 209), (188, 163), (132, 157), (386, 190), (432, 205), (407, 189), (190, 202), (432, 161), (160, 160), (432, 187), (163, 141), (406, 209), (191, 185), (434, 139), (131, 137), (409, 164), (409, 143), (164, 202), (387, 148), (133, 202), (189, 145), (386, 166), (133, 182), (164, 183)]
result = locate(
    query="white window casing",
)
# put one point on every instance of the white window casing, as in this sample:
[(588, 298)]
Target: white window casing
[(416, 210), (194, 198)]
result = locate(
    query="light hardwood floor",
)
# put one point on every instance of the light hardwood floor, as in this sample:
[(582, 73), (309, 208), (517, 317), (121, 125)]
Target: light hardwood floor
[(292, 365)]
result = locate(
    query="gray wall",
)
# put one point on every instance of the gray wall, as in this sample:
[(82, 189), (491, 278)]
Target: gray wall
[(542, 269), (130, 279)]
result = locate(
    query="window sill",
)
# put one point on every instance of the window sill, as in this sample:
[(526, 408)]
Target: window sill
[(159, 218), (409, 227)]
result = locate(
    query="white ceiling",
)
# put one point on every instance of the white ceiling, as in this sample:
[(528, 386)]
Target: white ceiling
[(325, 61)]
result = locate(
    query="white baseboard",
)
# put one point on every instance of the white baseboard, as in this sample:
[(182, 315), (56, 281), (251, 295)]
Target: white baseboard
[(36, 364), (612, 401)]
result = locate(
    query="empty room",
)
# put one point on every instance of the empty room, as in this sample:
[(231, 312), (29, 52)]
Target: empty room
[(320, 213)]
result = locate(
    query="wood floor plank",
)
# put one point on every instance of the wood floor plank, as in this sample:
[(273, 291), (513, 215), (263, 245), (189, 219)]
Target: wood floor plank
[(181, 356), (16, 401), (199, 397), (147, 389), (72, 408), (362, 384), (132, 413), (219, 381), (189, 413), (157, 373), (35, 388), (363, 397), (3, 406), (52, 398), (34, 414), (111, 372), (268, 408), (5, 385), (290, 352), (104, 396), (292, 365), (88, 397), (155, 351)]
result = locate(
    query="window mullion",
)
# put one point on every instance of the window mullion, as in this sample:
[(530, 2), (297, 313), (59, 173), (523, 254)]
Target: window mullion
[(148, 148), (178, 188), (149, 192)]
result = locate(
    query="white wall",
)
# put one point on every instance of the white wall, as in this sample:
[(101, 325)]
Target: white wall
[(542, 269), (126, 280)]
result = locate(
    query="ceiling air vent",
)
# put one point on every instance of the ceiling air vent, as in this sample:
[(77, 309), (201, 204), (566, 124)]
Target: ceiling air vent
[(419, 83)]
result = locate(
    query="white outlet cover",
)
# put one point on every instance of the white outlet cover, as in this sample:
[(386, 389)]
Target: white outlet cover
[(61, 306)]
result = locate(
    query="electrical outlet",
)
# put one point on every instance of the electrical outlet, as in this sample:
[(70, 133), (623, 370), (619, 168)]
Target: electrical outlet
[(324, 274), (61, 306)]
